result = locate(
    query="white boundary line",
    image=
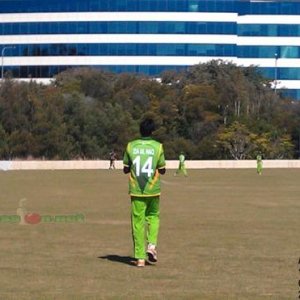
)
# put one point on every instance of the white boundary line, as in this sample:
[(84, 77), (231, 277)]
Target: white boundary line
[(171, 164)]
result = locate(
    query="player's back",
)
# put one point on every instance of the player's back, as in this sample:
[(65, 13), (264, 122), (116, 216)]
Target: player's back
[(144, 156)]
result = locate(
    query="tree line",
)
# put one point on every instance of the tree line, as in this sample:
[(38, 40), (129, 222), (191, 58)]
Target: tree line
[(216, 110)]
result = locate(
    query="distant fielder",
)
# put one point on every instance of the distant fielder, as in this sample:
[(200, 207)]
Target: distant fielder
[(181, 166), (144, 160), (259, 164), (112, 159)]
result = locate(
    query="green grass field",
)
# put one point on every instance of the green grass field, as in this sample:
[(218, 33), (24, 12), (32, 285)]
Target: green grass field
[(225, 234)]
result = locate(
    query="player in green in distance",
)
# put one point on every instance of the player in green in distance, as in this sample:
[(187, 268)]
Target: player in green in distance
[(144, 160), (181, 166), (259, 164)]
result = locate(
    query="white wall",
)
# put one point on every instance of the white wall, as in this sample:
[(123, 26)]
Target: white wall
[(171, 164)]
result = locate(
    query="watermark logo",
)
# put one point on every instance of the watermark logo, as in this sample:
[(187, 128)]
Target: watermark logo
[(31, 218)]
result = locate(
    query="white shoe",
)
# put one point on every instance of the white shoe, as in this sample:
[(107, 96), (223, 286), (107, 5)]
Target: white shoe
[(152, 254)]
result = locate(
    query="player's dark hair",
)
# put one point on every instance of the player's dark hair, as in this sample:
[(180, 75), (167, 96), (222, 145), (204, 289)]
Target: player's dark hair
[(147, 126)]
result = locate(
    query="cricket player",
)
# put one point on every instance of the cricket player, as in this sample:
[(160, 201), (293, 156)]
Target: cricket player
[(259, 164), (144, 160), (112, 159), (181, 166)]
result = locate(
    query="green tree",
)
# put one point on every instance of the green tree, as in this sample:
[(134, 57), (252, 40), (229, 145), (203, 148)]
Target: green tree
[(236, 140)]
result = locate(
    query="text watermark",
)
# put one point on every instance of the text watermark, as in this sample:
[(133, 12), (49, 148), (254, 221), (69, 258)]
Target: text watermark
[(35, 218), (23, 217)]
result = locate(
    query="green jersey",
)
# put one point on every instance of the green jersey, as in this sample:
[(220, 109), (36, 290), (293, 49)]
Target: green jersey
[(181, 159), (144, 156)]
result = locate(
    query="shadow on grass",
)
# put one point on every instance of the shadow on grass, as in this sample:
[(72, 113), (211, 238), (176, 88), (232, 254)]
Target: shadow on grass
[(121, 259)]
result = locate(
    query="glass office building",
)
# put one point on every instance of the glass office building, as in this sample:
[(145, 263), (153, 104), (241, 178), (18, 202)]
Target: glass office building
[(41, 38)]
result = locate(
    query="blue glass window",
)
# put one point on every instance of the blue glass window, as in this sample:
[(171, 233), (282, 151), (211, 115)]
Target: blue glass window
[(243, 7), (124, 49), (50, 71), (117, 5), (118, 27), (268, 51), (282, 73), (268, 30), (291, 93), (268, 8)]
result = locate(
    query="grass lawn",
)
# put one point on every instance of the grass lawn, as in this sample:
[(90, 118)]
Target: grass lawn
[(225, 234)]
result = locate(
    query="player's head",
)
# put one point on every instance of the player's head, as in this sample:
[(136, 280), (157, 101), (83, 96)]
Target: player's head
[(147, 126)]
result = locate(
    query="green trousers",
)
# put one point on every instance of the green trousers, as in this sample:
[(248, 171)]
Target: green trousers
[(144, 223), (259, 168), (181, 169)]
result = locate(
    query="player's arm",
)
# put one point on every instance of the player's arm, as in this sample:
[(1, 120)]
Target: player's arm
[(161, 162), (126, 162)]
